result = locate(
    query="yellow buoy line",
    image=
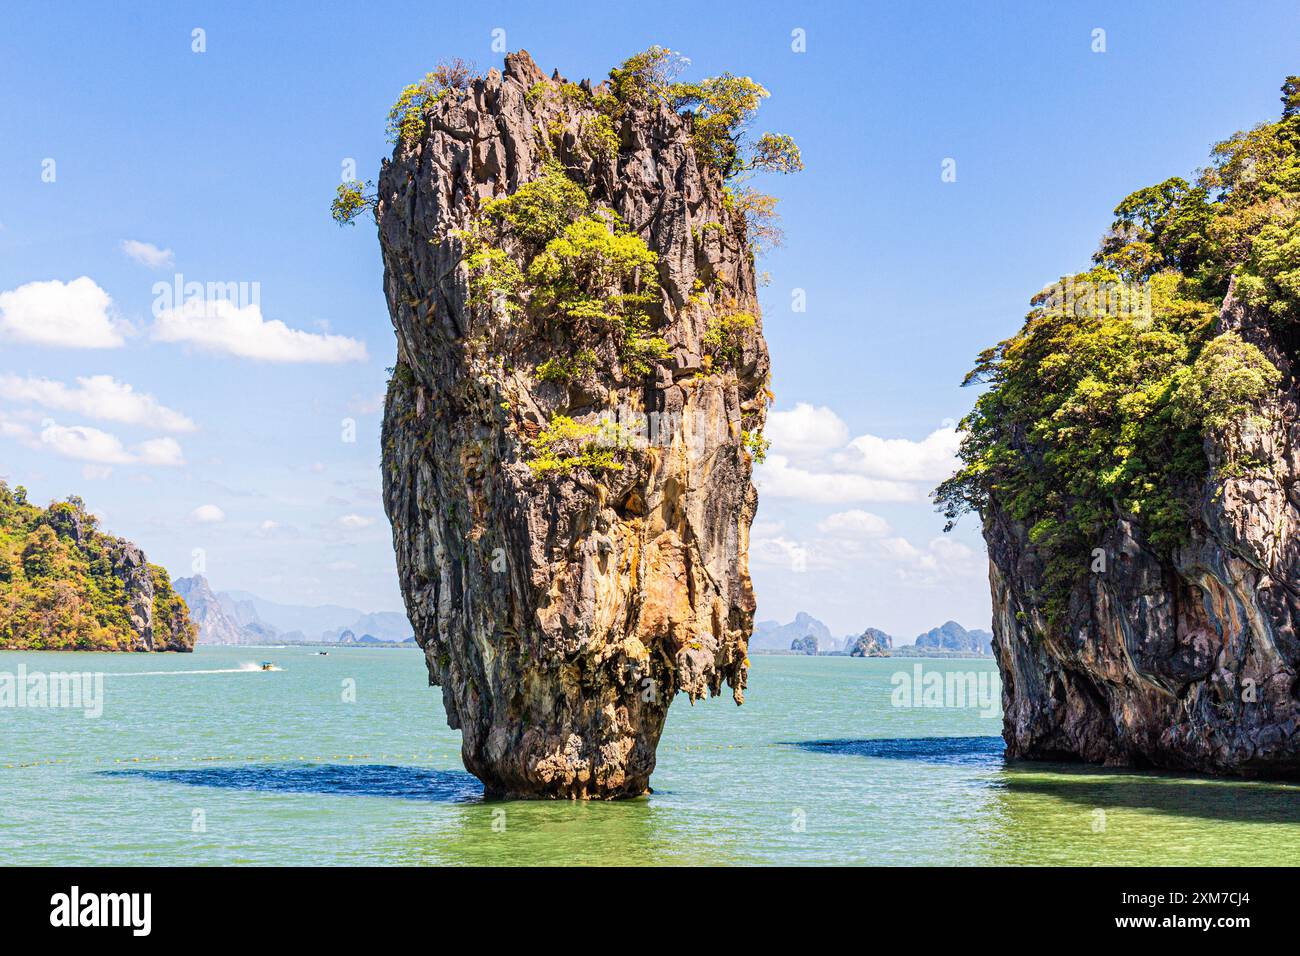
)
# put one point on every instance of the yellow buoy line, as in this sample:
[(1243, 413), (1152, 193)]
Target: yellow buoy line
[(299, 758)]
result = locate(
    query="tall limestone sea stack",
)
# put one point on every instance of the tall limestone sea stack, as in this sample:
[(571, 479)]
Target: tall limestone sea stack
[(1136, 464), (579, 394)]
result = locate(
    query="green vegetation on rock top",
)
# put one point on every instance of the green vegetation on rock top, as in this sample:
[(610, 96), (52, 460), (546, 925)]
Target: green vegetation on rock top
[(565, 265), (1099, 406)]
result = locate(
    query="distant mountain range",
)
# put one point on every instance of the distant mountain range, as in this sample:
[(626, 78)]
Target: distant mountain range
[(774, 636), (238, 617), (807, 635)]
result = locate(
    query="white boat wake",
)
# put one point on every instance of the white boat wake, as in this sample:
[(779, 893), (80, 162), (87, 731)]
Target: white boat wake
[(245, 668)]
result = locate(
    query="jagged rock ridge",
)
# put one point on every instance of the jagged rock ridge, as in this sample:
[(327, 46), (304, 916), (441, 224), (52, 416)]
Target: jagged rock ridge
[(227, 617), (562, 612), (216, 626)]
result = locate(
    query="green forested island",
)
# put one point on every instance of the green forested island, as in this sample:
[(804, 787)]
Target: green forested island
[(67, 586), (1133, 463)]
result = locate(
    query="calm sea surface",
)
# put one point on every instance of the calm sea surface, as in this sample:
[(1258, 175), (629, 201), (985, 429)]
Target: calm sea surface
[(197, 761)]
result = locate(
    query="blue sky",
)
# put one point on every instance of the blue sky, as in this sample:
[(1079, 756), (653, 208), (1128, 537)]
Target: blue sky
[(227, 159)]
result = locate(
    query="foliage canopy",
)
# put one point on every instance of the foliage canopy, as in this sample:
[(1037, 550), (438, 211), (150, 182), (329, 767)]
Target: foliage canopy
[(1099, 406)]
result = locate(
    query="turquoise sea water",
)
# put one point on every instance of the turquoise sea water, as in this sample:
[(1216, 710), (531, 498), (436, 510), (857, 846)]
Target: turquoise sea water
[(818, 766)]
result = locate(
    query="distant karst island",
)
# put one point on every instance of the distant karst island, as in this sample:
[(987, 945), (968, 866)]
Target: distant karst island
[(65, 585), (808, 636)]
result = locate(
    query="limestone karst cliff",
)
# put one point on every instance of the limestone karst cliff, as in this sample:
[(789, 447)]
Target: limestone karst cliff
[(1183, 660), (580, 390), (215, 624), (872, 642), (774, 636), (65, 585), (804, 645), (1135, 463)]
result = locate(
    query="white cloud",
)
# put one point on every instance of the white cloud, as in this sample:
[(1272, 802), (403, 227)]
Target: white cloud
[(84, 443), (941, 563), (207, 514), (222, 326), (355, 522), (931, 459), (806, 431), (96, 472), (781, 552), (147, 254), (98, 396), (855, 560), (813, 459), (899, 549), (854, 524), (777, 478), (74, 314), (160, 451), (275, 530), (17, 430)]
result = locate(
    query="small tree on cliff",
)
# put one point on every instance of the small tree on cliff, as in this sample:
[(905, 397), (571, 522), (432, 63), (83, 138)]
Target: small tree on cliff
[(352, 197), (405, 124), (406, 117), (1291, 97), (722, 107)]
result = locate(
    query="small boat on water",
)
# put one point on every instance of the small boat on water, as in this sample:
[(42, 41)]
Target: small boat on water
[(322, 653), (267, 666)]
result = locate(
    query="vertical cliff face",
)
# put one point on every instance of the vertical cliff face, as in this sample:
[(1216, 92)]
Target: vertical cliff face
[(1187, 661), (568, 565)]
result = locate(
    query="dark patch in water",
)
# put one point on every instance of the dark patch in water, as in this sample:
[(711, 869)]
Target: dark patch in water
[(367, 780), (1207, 798), (948, 751)]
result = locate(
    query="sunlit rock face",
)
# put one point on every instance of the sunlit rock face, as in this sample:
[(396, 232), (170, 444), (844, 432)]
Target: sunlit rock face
[(1186, 663), (561, 613)]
